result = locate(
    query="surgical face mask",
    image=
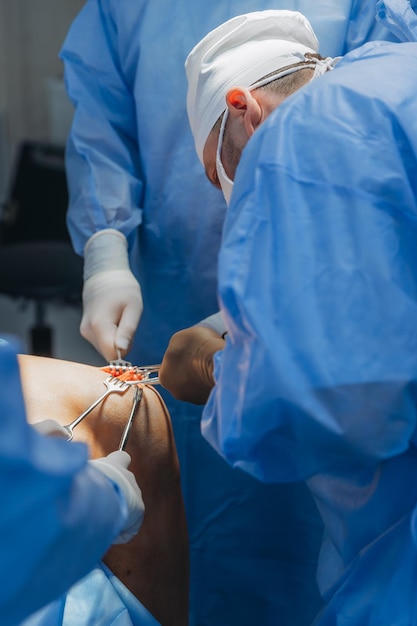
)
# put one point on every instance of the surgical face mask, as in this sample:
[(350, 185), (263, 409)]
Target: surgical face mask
[(323, 66), (225, 182)]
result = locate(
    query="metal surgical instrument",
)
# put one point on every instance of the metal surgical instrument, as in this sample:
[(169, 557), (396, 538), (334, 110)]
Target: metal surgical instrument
[(136, 400), (113, 385), (149, 375), (146, 374), (119, 362)]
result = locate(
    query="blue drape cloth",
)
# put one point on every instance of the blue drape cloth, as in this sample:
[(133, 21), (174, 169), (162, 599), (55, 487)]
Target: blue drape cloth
[(99, 599)]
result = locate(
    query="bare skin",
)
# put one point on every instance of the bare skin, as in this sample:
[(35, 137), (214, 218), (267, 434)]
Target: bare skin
[(154, 564), (187, 366)]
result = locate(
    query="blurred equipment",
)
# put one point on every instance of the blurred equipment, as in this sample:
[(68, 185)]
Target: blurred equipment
[(37, 261)]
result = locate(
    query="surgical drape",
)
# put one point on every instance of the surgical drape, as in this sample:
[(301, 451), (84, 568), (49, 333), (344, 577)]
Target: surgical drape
[(98, 599)]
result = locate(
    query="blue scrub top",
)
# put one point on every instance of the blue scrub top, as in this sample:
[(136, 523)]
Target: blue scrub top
[(318, 285), (132, 166), (50, 534)]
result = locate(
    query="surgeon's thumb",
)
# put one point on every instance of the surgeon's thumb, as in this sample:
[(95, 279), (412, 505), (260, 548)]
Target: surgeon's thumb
[(119, 457), (127, 326)]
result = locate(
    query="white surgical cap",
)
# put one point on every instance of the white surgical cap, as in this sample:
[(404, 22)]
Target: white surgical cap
[(240, 52)]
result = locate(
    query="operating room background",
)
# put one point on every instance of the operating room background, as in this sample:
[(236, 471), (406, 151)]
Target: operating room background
[(34, 106)]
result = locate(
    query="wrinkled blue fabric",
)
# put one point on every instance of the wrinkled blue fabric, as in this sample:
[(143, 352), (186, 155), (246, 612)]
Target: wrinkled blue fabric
[(132, 166), (99, 599), (398, 16), (51, 535), (318, 285)]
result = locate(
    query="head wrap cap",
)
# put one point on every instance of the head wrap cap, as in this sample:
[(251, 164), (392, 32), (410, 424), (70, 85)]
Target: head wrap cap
[(240, 52)]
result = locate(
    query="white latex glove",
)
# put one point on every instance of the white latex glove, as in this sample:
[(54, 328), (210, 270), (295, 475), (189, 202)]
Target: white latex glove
[(112, 297), (114, 466), (50, 427)]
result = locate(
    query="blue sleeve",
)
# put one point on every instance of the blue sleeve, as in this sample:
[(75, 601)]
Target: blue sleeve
[(400, 17), (363, 26), (58, 516), (103, 166), (318, 281)]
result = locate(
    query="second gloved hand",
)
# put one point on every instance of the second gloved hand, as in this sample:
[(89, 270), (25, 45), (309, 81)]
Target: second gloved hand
[(51, 428), (112, 297), (114, 466)]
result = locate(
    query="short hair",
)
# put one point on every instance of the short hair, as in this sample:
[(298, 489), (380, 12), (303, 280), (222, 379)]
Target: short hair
[(284, 86), (287, 84)]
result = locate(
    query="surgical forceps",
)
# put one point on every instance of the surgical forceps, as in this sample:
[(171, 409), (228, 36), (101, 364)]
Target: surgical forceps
[(136, 400), (113, 385)]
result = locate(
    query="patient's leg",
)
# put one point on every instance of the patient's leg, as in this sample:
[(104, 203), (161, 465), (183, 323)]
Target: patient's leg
[(154, 564)]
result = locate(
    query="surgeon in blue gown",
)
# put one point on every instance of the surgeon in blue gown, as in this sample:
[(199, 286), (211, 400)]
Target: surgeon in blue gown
[(51, 535), (136, 185), (317, 380)]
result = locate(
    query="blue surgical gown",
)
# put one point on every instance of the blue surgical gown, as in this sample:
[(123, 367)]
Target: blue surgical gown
[(399, 16), (98, 599), (58, 516), (318, 285), (132, 166)]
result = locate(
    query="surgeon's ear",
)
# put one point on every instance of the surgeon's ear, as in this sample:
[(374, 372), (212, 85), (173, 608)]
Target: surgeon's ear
[(243, 107)]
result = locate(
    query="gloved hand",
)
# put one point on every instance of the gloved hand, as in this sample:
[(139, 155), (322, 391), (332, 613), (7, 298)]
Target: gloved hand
[(114, 466), (112, 297), (187, 366), (50, 427)]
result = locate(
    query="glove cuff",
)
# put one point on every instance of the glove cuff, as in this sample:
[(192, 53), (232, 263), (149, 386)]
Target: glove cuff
[(215, 322), (105, 250)]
